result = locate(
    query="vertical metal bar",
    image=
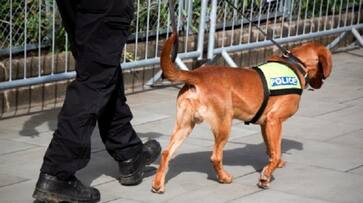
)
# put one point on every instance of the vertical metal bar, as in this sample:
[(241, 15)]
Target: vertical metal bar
[(212, 29), (340, 12), (168, 24), (287, 7), (306, 15), (224, 23), (268, 18), (11, 43), (187, 27), (298, 18), (320, 14), (333, 16), (352, 18), (147, 28), (243, 11), (250, 23), (125, 53), (259, 20), (157, 31), (203, 14), (283, 18), (233, 19), (359, 11), (53, 37), (180, 9), (290, 17), (25, 35), (346, 14), (66, 53), (275, 19), (137, 30), (39, 36), (312, 18), (326, 14)]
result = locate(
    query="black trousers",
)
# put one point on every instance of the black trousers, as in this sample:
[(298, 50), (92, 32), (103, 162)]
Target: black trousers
[(97, 30)]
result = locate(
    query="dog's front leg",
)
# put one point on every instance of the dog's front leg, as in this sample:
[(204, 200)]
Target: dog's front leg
[(271, 131), (282, 163)]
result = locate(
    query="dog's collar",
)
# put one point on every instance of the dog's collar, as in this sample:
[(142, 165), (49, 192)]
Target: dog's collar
[(289, 58)]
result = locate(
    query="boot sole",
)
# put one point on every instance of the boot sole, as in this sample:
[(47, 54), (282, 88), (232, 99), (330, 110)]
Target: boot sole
[(57, 198)]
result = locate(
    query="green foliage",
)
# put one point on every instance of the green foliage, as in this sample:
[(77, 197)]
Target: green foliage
[(36, 25), (320, 7)]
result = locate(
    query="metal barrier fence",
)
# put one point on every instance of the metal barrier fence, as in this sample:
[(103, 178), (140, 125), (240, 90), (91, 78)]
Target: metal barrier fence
[(33, 28), (284, 20)]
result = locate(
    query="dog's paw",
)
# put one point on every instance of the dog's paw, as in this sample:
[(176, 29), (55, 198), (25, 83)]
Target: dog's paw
[(264, 181), (158, 190), (281, 164), (263, 184), (157, 187), (225, 178)]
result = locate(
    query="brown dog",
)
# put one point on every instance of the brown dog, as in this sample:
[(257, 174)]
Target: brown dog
[(218, 94)]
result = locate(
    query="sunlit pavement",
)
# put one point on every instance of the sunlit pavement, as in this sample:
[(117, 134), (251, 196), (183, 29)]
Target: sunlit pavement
[(322, 144)]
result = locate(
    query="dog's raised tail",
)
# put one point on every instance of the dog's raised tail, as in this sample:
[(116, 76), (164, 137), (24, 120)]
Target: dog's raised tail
[(170, 71)]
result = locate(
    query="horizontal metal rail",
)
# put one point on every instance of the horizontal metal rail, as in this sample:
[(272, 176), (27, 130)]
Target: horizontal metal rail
[(71, 75), (267, 43)]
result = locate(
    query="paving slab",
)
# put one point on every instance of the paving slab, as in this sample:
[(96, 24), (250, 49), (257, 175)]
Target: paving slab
[(273, 196), (18, 193), (316, 128), (320, 183), (7, 180), (8, 146), (353, 139), (314, 182)]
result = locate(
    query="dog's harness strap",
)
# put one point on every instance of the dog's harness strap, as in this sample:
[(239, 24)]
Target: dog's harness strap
[(293, 60), (285, 91), (266, 95)]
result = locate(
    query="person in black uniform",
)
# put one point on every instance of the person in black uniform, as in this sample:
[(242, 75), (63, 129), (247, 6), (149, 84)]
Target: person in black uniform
[(97, 30)]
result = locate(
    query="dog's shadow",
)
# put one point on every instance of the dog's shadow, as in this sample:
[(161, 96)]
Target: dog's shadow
[(253, 155)]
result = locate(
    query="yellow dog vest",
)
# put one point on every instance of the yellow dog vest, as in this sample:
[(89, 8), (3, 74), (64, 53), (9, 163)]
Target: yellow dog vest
[(280, 79), (277, 79)]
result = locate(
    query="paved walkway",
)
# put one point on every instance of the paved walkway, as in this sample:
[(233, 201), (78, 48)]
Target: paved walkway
[(322, 144)]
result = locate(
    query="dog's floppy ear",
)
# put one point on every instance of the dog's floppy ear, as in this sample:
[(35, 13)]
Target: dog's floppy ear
[(325, 61)]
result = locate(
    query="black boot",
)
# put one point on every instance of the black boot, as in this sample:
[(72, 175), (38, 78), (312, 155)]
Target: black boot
[(132, 170), (51, 189)]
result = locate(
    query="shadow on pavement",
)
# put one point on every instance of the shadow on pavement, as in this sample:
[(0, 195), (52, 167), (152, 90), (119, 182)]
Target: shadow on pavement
[(250, 155), (106, 165), (48, 117)]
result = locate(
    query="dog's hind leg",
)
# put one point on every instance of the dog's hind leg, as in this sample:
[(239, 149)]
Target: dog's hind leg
[(272, 133), (184, 126), (221, 133)]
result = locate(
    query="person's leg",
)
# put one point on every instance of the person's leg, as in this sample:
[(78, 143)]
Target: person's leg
[(114, 124), (121, 140), (86, 96), (115, 128)]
